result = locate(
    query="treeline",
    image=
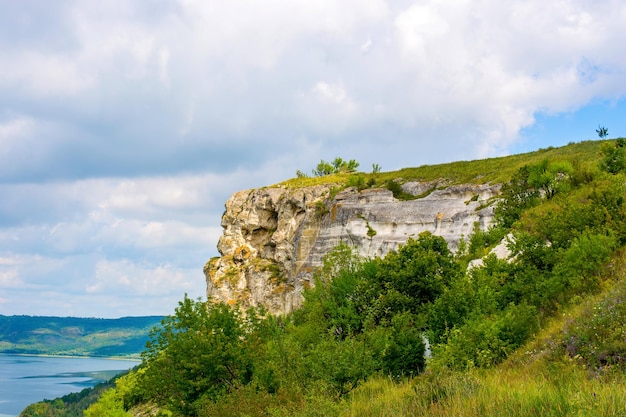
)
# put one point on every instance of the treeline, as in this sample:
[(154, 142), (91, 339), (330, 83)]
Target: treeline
[(418, 308)]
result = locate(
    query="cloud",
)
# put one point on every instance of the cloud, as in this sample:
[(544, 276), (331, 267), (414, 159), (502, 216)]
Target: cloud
[(125, 276), (202, 78), (125, 125)]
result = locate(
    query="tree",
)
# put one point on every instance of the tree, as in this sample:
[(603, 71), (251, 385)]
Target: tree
[(614, 160), (415, 275), (336, 166), (602, 132), (323, 168), (200, 351), (405, 351), (517, 195)]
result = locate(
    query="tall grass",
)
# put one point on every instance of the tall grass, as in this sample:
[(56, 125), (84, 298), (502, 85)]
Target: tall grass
[(564, 390)]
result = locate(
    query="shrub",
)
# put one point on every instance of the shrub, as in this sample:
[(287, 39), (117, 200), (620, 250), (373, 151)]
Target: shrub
[(487, 340), (613, 160), (336, 166), (201, 351)]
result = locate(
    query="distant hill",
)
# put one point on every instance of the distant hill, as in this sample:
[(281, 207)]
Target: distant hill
[(73, 336)]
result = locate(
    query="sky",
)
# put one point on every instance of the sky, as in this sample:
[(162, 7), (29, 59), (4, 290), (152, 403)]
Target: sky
[(125, 125)]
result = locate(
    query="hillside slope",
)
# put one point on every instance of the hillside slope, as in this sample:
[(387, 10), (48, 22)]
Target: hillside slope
[(73, 336), (536, 331)]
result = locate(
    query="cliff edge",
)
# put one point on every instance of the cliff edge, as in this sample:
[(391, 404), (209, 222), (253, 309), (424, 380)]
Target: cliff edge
[(274, 238)]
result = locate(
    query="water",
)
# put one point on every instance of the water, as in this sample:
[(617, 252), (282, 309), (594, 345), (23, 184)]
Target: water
[(28, 379)]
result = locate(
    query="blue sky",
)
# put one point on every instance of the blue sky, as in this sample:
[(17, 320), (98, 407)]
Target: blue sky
[(125, 125)]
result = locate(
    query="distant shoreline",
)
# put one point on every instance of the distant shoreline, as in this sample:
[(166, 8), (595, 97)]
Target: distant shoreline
[(46, 355)]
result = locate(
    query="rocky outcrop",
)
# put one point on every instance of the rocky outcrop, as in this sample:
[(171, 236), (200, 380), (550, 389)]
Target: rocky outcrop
[(274, 238)]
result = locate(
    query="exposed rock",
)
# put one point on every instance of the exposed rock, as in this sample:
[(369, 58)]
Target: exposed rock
[(274, 238), (501, 251)]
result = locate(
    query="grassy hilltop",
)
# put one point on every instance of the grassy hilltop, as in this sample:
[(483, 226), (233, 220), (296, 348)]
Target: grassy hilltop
[(490, 170), (418, 333)]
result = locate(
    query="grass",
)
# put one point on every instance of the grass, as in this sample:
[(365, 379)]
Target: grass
[(482, 171), (558, 390)]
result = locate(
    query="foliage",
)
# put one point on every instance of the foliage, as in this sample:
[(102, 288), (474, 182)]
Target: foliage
[(414, 276), (71, 405), (550, 177), (613, 159), (574, 367), (602, 132), (336, 166), (480, 241), (596, 339), (396, 189), (528, 185), (485, 341), (405, 350), (202, 350), (357, 181)]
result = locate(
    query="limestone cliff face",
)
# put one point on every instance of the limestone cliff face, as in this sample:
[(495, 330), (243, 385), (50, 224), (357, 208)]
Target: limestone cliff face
[(274, 238)]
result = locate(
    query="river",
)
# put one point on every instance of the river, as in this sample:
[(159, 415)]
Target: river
[(28, 379)]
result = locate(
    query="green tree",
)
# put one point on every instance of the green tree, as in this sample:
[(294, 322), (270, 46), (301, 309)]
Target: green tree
[(336, 166), (485, 341), (202, 350), (110, 404), (613, 160), (517, 195), (323, 168), (602, 132), (550, 177), (405, 351), (415, 275)]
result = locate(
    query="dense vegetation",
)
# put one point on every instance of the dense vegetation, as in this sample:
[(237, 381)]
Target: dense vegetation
[(71, 405), (420, 333), (73, 336)]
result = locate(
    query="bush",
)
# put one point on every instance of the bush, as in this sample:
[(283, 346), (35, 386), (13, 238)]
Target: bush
[(336, 166), (487, 340), (613, 160), (202, 351)]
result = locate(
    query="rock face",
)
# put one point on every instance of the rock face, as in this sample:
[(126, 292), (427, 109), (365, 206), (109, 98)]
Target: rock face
[(274, 238)]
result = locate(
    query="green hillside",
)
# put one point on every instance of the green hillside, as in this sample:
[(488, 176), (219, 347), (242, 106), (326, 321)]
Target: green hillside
[(492, 170), (418, 333), (72, 336)]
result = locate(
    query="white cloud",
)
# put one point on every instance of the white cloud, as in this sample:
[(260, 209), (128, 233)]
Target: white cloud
[(27, 270), (9, 278), (125, 127), (418, 26), (125, 276), (15, 129), (335, 93)]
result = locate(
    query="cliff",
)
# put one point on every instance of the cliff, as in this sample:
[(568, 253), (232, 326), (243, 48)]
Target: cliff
[(274, 238)]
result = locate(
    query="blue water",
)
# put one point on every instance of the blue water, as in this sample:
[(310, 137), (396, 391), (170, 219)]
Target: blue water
[(28, 379)]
